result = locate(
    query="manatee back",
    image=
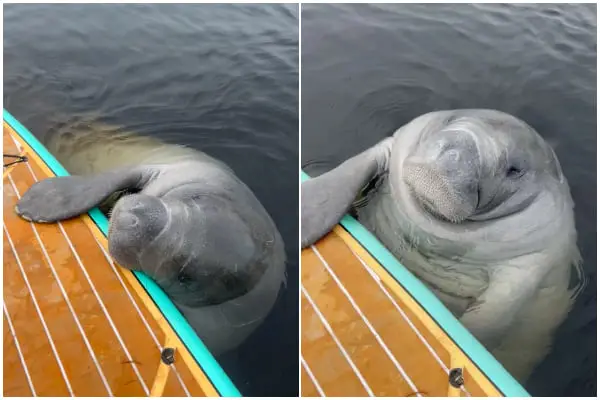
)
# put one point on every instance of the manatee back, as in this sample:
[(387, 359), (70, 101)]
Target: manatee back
[(88, 146)]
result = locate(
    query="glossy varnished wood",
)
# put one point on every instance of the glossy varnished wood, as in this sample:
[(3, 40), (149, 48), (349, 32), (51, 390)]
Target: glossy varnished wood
[(363, 334), (74, 322)]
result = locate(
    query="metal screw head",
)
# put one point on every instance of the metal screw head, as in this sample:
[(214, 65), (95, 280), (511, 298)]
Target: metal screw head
[(456, 377), (168, 355)]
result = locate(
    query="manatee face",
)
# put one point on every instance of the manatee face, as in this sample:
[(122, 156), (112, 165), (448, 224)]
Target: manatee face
[(478, 166), (199, 254)]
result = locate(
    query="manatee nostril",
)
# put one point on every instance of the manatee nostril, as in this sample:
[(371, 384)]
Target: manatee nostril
[(125, 220), (453, 155)]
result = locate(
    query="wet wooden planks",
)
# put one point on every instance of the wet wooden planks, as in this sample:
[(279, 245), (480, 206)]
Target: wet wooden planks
[(75, 323), (361, 338)]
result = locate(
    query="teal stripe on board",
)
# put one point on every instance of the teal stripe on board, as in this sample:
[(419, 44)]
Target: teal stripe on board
[(463, 338), (209, 365)]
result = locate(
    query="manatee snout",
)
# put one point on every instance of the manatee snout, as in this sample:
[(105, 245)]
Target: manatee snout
[(135, 221), (444, 178)]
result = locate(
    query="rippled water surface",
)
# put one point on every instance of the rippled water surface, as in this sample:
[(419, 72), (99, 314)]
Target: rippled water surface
[(220, 78), (369, 69)]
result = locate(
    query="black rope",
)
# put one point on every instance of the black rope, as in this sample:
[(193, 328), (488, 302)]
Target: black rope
[(18, 159)]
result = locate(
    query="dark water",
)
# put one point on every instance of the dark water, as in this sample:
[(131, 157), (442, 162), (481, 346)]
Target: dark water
[(220, 78), (369, 69)]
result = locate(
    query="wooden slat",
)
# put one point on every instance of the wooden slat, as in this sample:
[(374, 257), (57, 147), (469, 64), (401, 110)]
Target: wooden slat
[(78, 361), (115, 314), (35, 344), (376, 327), (309, 387), (12, 360), (9, 145), (369, 357), (327, 363), (422, 368)]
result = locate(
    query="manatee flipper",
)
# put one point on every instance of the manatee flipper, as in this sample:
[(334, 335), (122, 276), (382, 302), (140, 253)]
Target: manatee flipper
[(64, 197), (326, 198), (511, 287)]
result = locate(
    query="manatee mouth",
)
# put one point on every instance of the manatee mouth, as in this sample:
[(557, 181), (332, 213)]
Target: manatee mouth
[(431, 208), (436, 194)]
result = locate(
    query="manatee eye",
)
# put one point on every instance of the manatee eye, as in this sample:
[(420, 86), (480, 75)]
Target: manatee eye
[(183, 277), (231, 282), (514, 172)]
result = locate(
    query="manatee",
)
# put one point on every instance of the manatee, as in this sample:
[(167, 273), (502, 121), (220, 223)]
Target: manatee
[(475, 204), (177, 214)]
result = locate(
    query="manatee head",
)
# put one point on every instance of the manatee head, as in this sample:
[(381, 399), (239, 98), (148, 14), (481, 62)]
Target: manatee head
[(199, 253), (477, 165)]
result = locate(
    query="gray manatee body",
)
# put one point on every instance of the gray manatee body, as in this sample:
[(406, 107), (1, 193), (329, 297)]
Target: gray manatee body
[(179, 215), (475, 204)]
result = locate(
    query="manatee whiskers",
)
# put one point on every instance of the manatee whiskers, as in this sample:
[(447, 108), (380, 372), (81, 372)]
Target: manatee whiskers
[(475, 204)]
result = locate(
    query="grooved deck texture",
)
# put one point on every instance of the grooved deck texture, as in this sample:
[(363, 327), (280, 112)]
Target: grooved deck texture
[(363, 334), (74, 322)]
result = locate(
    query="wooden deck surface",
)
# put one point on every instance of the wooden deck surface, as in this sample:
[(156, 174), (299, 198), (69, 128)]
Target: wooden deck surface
[(364, 335), (74, 322)]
